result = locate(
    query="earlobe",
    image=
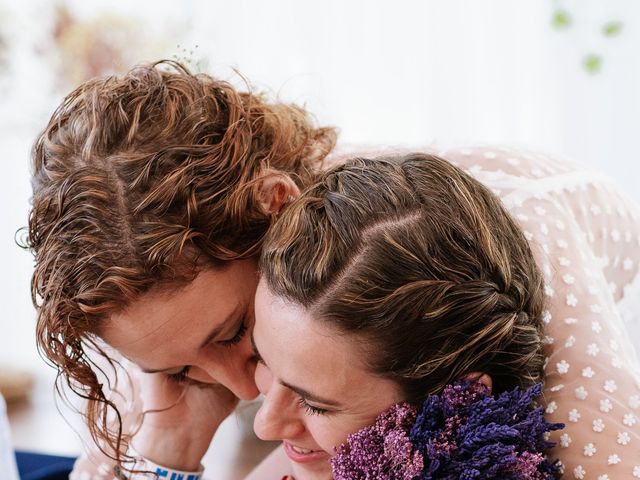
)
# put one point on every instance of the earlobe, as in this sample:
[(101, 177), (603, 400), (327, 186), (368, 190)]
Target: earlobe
[(275, 190), (483, 378)]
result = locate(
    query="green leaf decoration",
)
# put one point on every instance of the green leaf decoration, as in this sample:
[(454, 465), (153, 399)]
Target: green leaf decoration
[(611, 29), (561, 19), (592, 63)]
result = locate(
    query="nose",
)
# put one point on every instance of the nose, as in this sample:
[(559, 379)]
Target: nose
[(278, 417), (234, 369), (238, 378)]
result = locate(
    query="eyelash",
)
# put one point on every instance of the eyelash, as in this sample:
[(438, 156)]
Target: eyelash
[(302, 403), (238, 336), (310, 409), (181, 376)]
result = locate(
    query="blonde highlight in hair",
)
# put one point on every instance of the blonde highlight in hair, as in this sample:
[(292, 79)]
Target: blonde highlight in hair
[(138, 181), (422, 263)]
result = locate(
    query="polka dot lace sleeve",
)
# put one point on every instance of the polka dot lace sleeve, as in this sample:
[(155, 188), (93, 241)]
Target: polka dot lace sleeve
[(586, 236)]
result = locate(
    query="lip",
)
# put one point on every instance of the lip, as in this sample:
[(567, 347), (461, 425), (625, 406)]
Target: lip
[(298, 457)]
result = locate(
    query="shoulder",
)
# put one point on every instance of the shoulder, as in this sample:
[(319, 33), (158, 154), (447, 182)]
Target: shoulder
[(512, 161)]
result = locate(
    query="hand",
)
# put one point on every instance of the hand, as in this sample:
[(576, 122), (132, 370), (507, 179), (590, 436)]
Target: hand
[(180, 420)]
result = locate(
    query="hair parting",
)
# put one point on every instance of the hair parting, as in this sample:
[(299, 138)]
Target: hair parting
[(423, 263)]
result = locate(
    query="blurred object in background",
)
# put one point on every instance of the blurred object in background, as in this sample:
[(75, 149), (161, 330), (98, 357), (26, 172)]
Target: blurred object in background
[(15, 385), (5, 19), (602, 30), (103, 44), (4, 45)]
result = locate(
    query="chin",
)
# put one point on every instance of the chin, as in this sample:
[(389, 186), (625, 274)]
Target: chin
[(317, 471)]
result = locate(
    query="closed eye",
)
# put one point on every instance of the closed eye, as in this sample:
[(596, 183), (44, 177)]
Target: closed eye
[(180, 376), (239, 335), (302, 400), (310, 409)]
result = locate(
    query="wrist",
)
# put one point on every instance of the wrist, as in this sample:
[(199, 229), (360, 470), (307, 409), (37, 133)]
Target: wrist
[(172, 448), (140, 468)]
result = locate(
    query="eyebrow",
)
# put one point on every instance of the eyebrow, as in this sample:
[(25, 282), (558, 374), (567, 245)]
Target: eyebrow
[(300, 391), (217, 330), (161, 370)]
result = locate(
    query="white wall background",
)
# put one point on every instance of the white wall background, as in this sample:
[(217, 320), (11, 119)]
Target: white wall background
[(402, 72)]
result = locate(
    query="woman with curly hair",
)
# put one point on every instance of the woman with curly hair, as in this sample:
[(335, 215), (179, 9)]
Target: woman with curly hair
[(152, 193)]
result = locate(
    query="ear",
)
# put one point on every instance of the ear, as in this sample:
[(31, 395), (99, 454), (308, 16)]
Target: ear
[(275, 190), (483, 378)]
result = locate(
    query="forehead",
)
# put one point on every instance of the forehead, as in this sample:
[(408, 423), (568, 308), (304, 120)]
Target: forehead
[(161, 319), (305, 351)]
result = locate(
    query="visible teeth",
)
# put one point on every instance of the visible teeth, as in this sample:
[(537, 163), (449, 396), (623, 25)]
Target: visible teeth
[(301, 450)]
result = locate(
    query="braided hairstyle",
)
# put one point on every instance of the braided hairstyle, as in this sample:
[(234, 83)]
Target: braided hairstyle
[(422, 263)]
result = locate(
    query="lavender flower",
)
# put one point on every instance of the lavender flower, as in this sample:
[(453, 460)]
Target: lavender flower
[(463, 433), (382, 451)]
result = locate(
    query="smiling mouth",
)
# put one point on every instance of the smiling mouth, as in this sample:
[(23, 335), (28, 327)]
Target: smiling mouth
[(303, 455), (303, 451)]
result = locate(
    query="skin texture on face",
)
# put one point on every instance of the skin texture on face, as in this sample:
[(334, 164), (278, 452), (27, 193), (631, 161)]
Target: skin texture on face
[(198, 332), (316, 387)]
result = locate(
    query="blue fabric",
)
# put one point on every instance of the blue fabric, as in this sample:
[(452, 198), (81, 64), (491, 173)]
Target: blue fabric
[(36, 466)]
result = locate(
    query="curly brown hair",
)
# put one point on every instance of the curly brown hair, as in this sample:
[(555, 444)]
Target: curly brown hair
[(422, 263), (139, 180)]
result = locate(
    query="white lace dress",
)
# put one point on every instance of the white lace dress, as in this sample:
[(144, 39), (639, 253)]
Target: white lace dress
[(586, 236)]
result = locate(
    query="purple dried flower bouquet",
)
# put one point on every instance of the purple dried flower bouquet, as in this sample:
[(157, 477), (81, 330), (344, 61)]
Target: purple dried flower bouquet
[(464, 433)]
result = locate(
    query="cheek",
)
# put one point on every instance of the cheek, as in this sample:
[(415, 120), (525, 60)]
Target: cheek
[(330, 432), (200, 375)]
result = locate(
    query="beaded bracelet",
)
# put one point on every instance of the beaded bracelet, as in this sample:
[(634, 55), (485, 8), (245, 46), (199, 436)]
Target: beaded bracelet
[(149, 469)]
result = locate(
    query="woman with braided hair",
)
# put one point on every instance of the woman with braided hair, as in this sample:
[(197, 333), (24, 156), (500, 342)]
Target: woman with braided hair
[(392, 278)]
